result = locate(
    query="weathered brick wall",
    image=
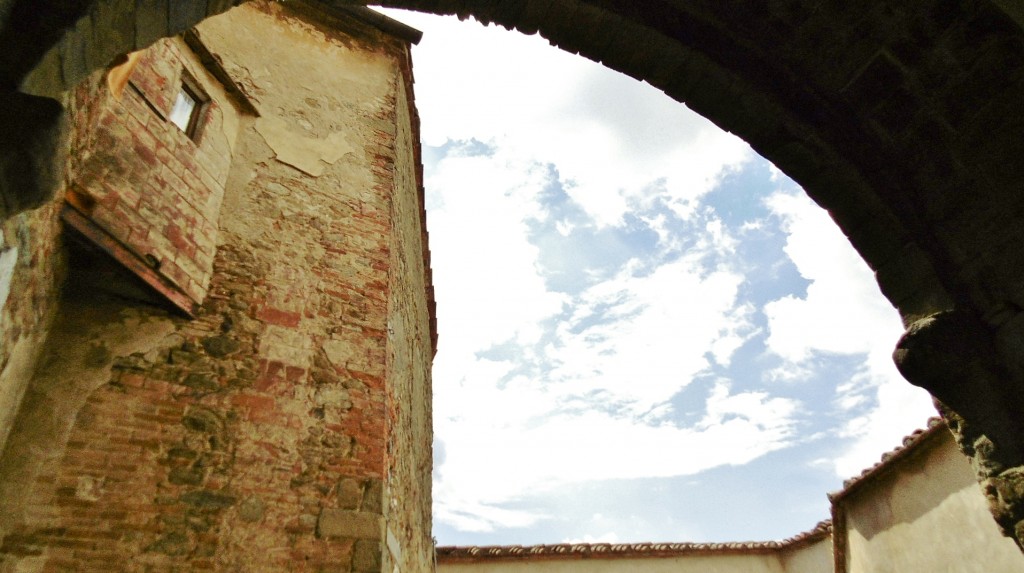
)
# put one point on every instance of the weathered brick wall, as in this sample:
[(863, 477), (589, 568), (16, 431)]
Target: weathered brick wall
[(145, 181), (123, 159), (254, 437), (71, 495)]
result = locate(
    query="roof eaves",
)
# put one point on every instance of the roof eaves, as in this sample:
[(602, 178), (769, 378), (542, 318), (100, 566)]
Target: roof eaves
[(911, 444), (370, 16)]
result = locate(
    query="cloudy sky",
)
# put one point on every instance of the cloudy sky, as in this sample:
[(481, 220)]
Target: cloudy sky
[(647, 332)]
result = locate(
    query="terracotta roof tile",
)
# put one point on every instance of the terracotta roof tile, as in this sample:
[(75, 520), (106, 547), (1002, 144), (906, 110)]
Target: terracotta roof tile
[(623, 550)]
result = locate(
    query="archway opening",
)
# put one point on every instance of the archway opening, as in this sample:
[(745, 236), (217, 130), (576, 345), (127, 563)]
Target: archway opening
[(637, 312)]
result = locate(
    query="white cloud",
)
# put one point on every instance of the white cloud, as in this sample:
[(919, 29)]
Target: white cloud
[(642, 337), (632, 341), (609, 135), (842, 314), (490, 464), (523, 404), (481, 253), (469, 516), (842, 311), (635, 340)]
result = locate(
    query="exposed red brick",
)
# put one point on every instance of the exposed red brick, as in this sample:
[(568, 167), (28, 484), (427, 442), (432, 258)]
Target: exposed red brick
[(279, 317)]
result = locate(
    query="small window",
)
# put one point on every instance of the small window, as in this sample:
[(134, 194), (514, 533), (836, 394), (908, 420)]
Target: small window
[(188, 107)]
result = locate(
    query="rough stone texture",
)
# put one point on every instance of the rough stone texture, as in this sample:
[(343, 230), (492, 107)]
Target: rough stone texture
[(410, 346), (351, 524), (256, 436), (952, 355), (997, 468), (80, 358), (31, 166), (26, 241)]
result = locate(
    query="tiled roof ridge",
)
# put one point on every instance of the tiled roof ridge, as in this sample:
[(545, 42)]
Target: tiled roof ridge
[(933, 426), (619, 550)]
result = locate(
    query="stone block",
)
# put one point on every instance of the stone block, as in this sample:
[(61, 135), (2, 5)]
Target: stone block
[(350, 493), (220, 346), (366, 556), (373, 499), (338, 352), (620, 50), (251, 510), (204, 499), (351, 524), (876, 82), (877, 239), (908, 278), (533, 16), (186, 476), (802, 160)]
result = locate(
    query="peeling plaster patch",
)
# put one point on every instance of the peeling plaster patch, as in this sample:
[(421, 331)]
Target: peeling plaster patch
[(13, 382), (394, 547), (306, 154), (229, 127), (8, 259)]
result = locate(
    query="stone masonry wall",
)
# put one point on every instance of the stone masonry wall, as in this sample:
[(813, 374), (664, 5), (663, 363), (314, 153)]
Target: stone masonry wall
[(411, 342), (31, 268), (258, 436), (142, 179)]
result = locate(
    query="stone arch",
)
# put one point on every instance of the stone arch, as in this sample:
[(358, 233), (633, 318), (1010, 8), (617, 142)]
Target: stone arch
[(903, 120)]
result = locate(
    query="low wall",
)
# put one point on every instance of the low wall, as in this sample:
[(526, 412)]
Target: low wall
[(766, 563), (922, 512), (920, 509), (809, 552)]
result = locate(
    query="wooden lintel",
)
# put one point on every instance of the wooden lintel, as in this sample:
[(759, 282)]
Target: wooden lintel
[(127, 258)]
